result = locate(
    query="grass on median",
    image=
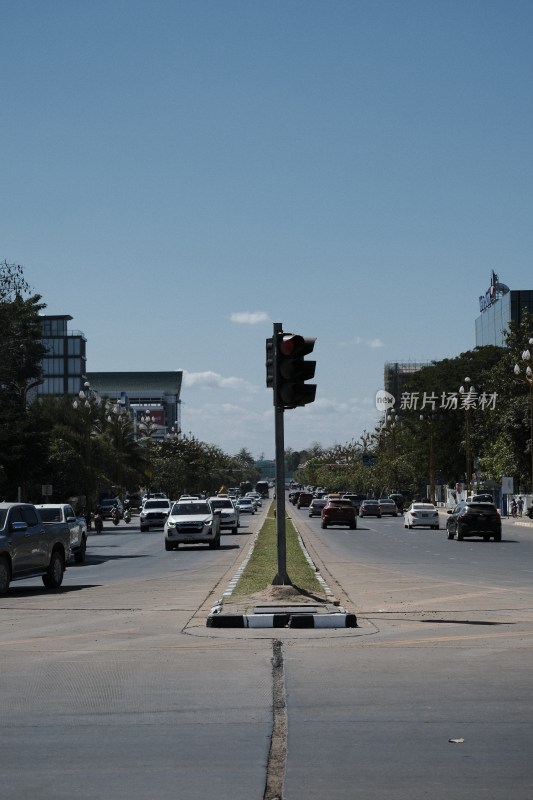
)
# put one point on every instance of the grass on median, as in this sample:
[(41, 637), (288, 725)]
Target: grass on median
[(262, 567)]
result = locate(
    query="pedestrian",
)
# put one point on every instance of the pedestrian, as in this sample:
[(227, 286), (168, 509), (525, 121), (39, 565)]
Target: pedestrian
[(514, 507), (520, 506)]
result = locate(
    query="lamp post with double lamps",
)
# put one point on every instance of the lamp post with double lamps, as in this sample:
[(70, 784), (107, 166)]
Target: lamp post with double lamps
[(87, 404), (468, 395), (120, 429), (527, 375), (430, 422), (147, 425)]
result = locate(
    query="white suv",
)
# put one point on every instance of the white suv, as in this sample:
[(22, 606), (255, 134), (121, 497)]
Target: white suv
[(229, 514), (154, 514), (192, 522)]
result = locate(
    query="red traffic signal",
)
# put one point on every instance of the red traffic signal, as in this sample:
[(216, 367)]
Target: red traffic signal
[(292, 371)]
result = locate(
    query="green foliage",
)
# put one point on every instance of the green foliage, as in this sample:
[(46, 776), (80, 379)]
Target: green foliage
[(21, 352), (402, 456)]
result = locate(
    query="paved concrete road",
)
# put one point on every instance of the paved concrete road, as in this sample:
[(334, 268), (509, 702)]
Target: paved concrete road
[(113, 687), (104, 696)]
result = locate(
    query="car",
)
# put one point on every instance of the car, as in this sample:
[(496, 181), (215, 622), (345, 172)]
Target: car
[(192, 522), (316, 506), (304, 500), (481, 498), (420, 515), (369, 508), (256, 497), (133, 500), (388, 506), (154, 514), (105, 507), (470, 518), (399, 499), (229, 513), (29, 547), (245, 505), (339, 512), (355, 499), (64, 514)]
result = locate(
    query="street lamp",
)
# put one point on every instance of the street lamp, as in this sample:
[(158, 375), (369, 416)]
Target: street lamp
[(528, 376), (87, 404), (468, 395), (429, 419), (391, 426), (147, 425), (120, 426)]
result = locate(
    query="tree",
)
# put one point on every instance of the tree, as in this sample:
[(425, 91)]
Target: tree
[(21, 354)]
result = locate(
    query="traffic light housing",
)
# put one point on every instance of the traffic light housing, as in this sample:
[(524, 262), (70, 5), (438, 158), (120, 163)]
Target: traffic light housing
[(270, 365), (290, 389)]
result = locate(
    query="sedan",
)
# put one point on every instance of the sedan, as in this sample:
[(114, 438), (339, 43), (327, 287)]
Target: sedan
[(388, 506), (245, 505), (420, 515), (256, 498), (369, 508), (317, 504)]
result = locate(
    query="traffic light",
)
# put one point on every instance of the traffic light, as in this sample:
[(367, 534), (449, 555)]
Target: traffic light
[(292, 371), (270, 367)]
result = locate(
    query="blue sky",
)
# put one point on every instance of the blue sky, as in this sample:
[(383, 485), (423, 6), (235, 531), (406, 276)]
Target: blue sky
[(178, 176)]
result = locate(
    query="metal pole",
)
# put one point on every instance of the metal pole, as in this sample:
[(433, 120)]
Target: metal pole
[(531, 442), (281, 578)]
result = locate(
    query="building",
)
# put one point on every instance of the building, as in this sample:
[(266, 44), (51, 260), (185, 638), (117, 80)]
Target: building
[(153, 396), (498, 306), (398, 374), (64, 366)]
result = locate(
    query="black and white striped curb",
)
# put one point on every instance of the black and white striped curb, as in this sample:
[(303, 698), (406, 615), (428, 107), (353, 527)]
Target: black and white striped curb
[(290, 616)]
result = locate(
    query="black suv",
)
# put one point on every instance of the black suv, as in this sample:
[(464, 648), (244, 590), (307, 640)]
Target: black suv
[(474, 519)]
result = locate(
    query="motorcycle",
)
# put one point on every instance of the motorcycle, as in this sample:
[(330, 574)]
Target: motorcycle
[(115, 516), (98, 523), (127, 515)]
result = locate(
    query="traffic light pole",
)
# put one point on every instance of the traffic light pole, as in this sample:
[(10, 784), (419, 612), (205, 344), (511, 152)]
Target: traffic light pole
[(281, 579)]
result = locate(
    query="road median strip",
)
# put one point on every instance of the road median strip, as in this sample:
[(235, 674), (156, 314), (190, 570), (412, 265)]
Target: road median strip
[(253, 601)]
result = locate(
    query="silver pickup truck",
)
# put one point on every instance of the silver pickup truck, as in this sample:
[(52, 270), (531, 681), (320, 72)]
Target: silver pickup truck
[(64, 514), (28, 547)]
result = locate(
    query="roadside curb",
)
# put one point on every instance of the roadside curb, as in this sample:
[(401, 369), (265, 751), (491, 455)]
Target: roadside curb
[(336, 619)]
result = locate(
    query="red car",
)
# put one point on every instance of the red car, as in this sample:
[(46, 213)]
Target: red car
[(339, 512)]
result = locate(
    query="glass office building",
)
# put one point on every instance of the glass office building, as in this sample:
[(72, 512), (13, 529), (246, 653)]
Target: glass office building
[(493, 322), (64, 365)]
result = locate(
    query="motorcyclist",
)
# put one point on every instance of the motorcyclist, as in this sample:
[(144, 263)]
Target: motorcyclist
[(115, 516), (98, 523)]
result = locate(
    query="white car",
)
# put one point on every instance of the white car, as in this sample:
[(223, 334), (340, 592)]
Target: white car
[(192, 522), (229, 514), (256, 499), (245, 505), (153, 514), (421, 515)]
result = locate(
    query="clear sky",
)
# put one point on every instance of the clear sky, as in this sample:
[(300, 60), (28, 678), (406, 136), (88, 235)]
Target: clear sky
[(178, 175)]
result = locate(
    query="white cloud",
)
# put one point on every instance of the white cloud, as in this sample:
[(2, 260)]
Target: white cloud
[(361, 340), (214, 380), (249, 317)]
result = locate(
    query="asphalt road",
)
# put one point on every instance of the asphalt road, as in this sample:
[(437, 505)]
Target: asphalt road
[(113, 686)]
